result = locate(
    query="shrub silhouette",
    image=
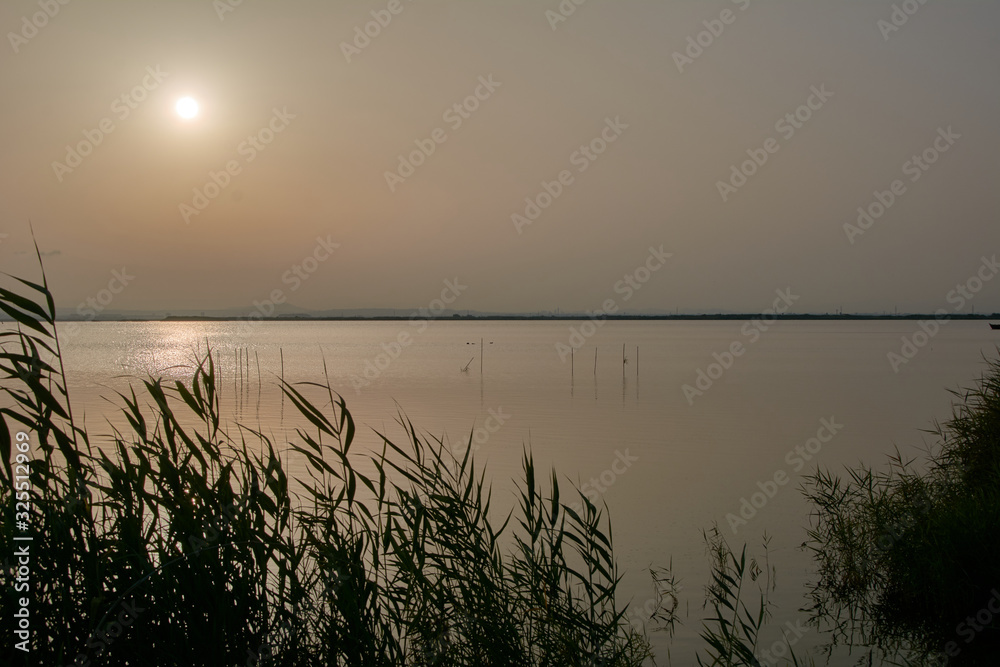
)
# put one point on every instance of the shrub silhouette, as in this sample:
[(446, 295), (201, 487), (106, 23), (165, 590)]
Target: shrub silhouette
[(907, 556)]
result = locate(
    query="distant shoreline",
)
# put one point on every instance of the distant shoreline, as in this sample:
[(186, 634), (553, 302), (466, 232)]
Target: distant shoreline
[(554, 318)]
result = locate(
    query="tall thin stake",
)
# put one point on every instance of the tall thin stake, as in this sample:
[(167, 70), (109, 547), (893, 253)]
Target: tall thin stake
[(260, 385)]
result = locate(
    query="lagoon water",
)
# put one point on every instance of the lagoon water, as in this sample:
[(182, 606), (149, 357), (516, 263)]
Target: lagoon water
[(667, 467)]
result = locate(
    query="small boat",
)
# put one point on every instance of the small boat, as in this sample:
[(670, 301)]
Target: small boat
[(995, 327)]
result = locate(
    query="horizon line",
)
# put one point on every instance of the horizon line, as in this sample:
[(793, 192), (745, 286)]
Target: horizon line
[(539, 317)]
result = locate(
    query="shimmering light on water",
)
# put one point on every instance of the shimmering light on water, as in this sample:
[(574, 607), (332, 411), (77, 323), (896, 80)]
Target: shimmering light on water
[(692, 464)]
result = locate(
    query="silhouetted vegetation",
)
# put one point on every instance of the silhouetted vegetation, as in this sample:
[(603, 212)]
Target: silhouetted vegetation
[(909, 558), (178, 542)]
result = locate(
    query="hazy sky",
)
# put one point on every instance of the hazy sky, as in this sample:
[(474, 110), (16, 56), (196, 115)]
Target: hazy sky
[(339, 110)]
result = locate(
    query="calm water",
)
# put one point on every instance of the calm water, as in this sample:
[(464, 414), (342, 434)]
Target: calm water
[(688, 465)]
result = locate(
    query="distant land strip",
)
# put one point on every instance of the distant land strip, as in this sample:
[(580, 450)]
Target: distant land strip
[(702, 317), (561, 318)]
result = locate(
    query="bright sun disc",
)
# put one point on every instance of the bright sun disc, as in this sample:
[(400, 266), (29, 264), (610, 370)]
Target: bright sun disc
[(187, 107)]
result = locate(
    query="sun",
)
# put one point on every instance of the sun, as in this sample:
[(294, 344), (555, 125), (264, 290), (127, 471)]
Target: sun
[(187, 107)]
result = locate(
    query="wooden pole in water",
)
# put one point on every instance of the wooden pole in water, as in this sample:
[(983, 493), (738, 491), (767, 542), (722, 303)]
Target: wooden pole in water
[(260, 385), (636, 362), (595, 361), (482, 351), (239, 379), (257, 357), (572, 362)]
